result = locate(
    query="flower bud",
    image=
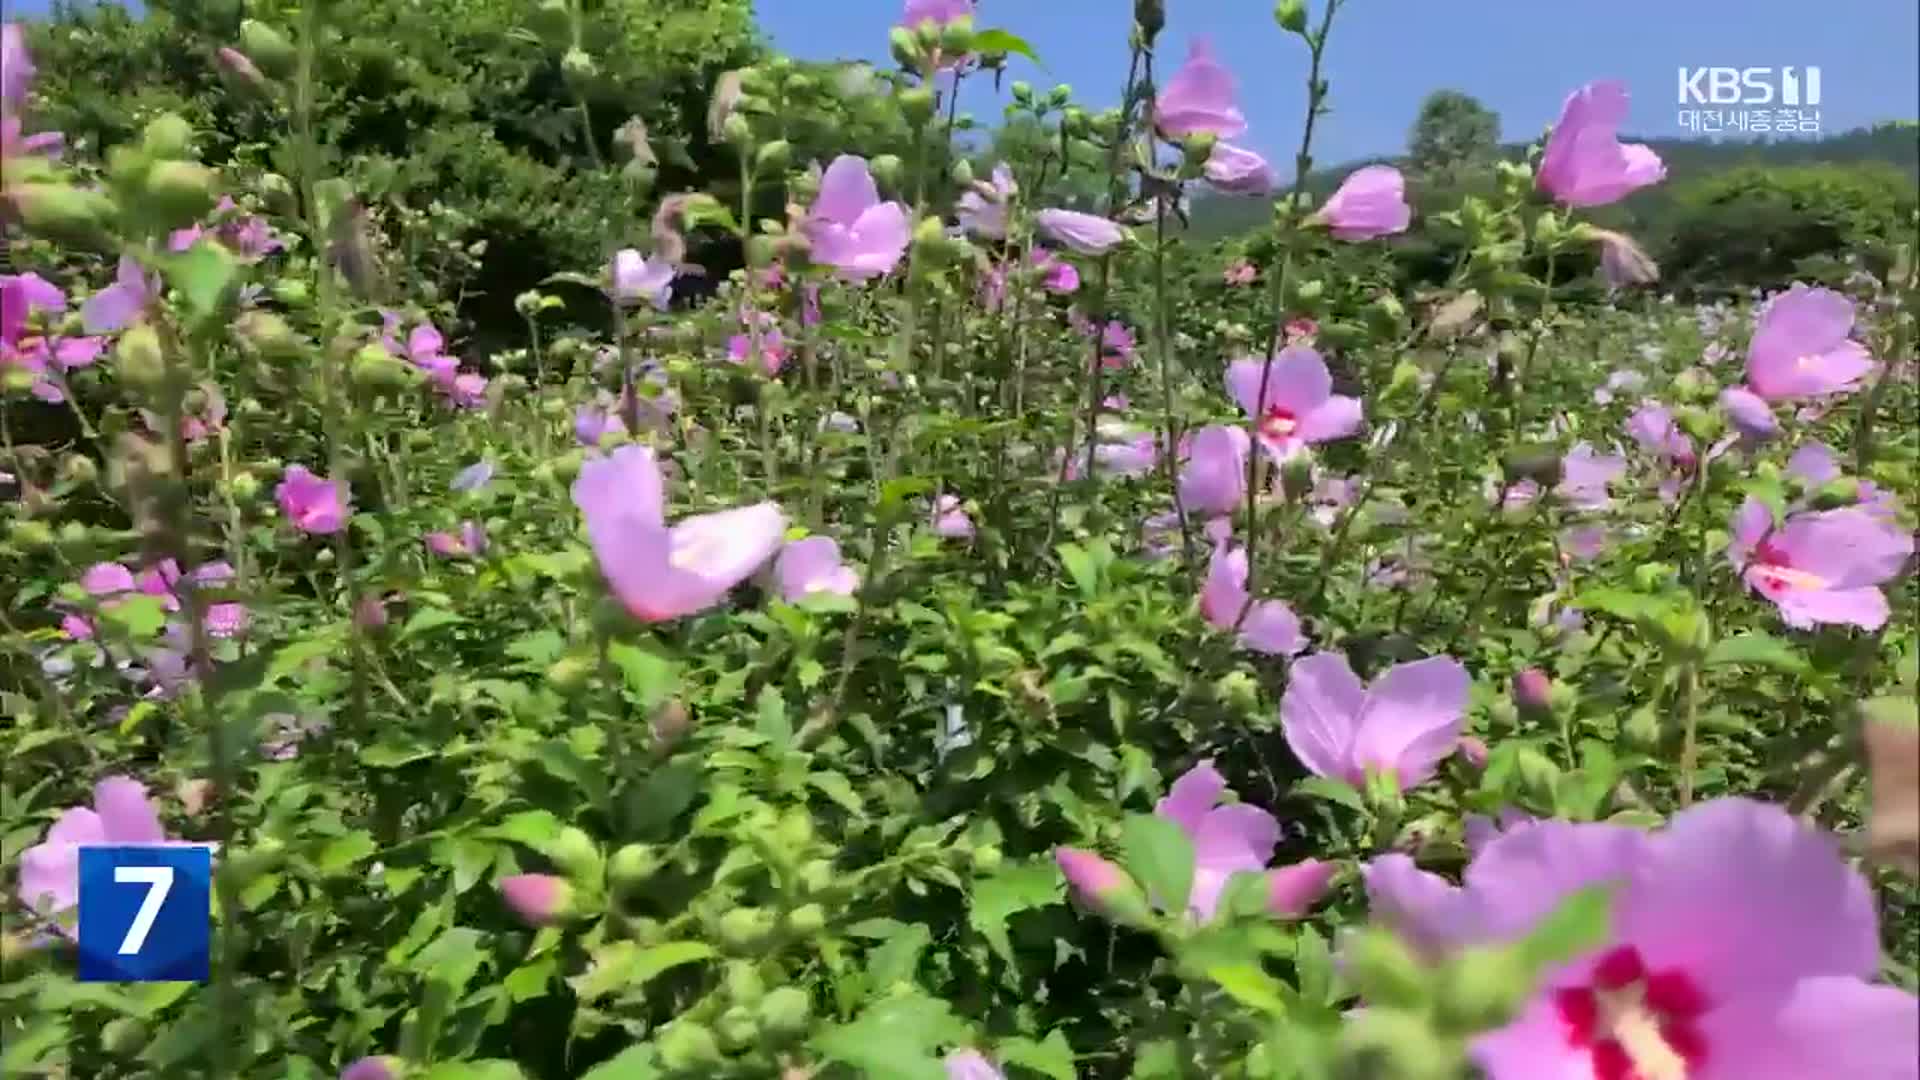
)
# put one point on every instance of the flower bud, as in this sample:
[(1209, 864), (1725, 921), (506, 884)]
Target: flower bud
[(816, 877), (29, 535), (1481, 989), (807, 920), (578, 69), (375, 369), (61, 212), (736, 131), (670, 722), (1472, 750), (1022, 92), (1150, 16), (962, 172), (179, 192), (1397, 1043), (167, 137), (986, 859), (743, 984), (905, 47), (785, 1010), (138, 361), (1101, 886), (738, 1029), (244, 488), (267, 335), (1385, 971), (916, 104), (1533, 693), (1198, 147), (239, 73), (1641, 731), (956, 37), (1692, 385), (538, 899), (379, 1067), (1547, 230), (1697, 422), (1291, 16), (1538, 774), (271, 52), (1386, 314), (575, 853), (773, 155), (552, 21), (688, 1047), (1293, 890), (569, 673), (744, 929)]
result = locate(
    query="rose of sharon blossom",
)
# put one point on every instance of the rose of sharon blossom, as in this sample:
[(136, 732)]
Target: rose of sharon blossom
[(469, 542), (121, 814), (1750, 413), (812, 565), (1234, 839), (1214, 479), (1299, 408), (313, 503), (1403, 725), (950, 519), (938, 12), (1820, 567), (1584, 476), (16, 66), (1585, 163), (1371, 202), (1740, 947), (1088, 234), (1236, 170), (1270, 626), (591, 423), (634, 278), (1199, 97), (120, 304), (982, 210), (971, 1065), (377, 1067), (657, 571), (538, 899), (1815, 464), (849, 228), (1801, 346)]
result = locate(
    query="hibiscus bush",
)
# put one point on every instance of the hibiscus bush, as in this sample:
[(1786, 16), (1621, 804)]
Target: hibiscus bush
[(982, 636)]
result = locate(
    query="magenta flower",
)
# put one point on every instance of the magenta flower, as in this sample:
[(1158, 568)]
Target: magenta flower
[(1740, 948), (1214, 479), (1653, 427), (469, 542), (633, 278), (971, 1065), (1057, 275), (378, 1067), (1233, 839), (1403, 725), (121, 304), (1801, 346), (661, 572), (1584, 477), (849, 228), (313, 503), (1370, 202), (1300, 408), (1236, 170), (121, 814), (982, 210), (1270, 626), (1819, 568), (1585, 163), (592, 423), (1749, 413), (938, 12), (1116, 345), (538, 899), (22, 297), (950, 519), (1088, 234), (1240, 273), (812, 565), (1199, 97), (761, 341), (16, 66)]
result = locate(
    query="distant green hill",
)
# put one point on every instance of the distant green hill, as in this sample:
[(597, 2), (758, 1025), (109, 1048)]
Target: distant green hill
[(1896, 143)]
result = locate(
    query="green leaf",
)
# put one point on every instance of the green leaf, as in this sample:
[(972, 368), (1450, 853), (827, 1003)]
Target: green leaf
[(1250, 986), (1002, 41), (1159, 856), (894, 1039), (770, 718), (673, 954), (898, 956), (140, 616), (429, 618), (1050, 1057), (652, 678), (1082, 567), (492, 1069), (1755, 647), (1014, 889), (202, 276), (343, 851), (634, 1063), (1332, 791), (623, 965), (838, 788)]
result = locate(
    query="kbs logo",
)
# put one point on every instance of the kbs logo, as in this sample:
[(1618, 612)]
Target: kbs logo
[(1791, 86)]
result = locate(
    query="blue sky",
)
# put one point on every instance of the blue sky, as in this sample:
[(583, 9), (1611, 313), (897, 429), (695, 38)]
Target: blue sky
[(1520, 57)]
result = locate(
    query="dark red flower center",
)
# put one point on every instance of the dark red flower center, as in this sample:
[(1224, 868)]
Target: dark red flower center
[(1635, 1023), (1278, 423)]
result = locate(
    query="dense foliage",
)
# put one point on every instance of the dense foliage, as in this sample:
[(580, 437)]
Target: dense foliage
[(759, 592)]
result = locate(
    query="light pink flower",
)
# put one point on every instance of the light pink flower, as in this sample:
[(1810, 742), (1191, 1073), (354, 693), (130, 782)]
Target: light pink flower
[(469, 542), (938, 12), (1585, 474), (971, 1065), (1240, 273), (1585, 163), (950, 519), (379, 1067), (1270, 626), (1214, 479), (849, 228), (1750, 413), (1235, 170), (121, 814), (633, 278), (1199, 97), (1815, 464), (1740, 947), (1236, 838), (16, 66), (1801, 346), (1622, 261), (1404, 725), (312, 503), (1095, 881), (123, 303), (538, 899), (982, 210), (661, 572), (812, 565), (1371, 202), (1299, 408), (1822, 567), (1088, 234)]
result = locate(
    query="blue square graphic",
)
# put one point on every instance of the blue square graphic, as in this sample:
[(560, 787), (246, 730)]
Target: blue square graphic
[(145, 913)]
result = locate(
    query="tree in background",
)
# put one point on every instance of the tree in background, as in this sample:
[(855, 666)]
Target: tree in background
[(1454, 134)]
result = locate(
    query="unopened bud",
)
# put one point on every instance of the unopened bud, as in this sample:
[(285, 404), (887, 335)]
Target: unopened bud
[(180, 192), (78, 470), (574, 852), (785, 1010), (267, 334), (1022, 92), (688, 1047), (1385, 971), (1150, 16), (956, 37), (905, 47), (1386, 314), (62, 212), (670, 724), (1533, 693), (744, 928), (807, 920), (633, 865), (1291, 15), (986, 858), (916, 104), (238, 72), (167, 137), (138, 360), (569, 673), (1538, 774), (552, 22), (962, 172), (1641, 731), (1296, 477), (271, 52), (773, 155), (538, 899)]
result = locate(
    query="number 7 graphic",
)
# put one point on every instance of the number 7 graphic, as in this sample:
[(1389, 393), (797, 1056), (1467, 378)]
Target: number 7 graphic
[(159, 880)]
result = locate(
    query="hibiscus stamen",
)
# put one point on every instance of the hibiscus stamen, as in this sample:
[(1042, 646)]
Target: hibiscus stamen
[(1635, 1024)]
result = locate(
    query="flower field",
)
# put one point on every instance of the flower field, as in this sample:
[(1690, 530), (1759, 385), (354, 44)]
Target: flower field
[(890, 606)]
